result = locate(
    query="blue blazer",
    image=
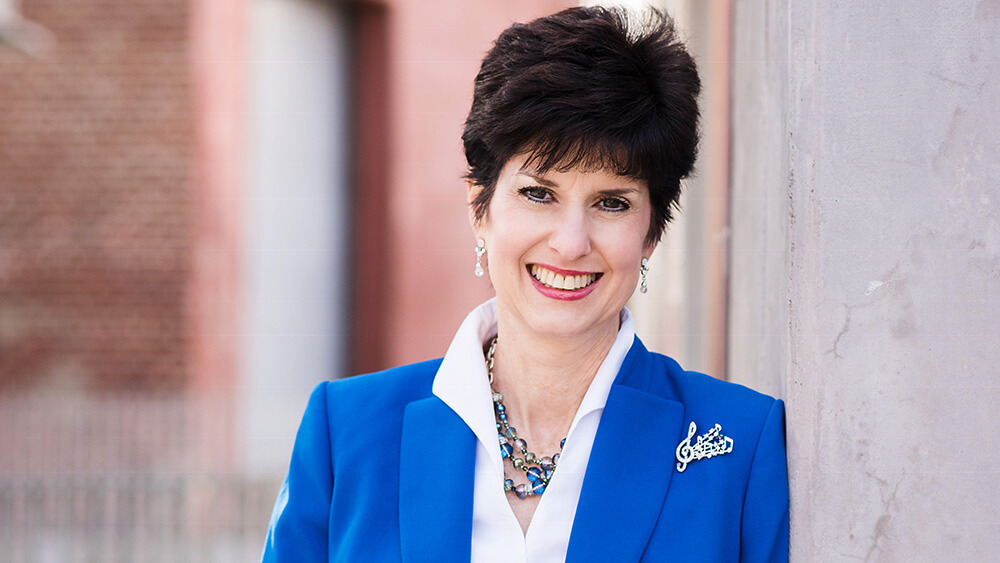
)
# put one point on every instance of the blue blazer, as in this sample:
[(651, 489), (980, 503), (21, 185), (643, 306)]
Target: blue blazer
[(382, 470)]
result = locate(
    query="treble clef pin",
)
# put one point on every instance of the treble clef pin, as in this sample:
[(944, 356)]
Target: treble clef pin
[(685, 453), (707, 446)]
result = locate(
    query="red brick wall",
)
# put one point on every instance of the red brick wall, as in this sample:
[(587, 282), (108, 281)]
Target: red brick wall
[(120, 184), (95, 198)]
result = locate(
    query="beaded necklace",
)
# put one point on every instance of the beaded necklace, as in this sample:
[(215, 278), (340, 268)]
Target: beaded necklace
[(538, 471)]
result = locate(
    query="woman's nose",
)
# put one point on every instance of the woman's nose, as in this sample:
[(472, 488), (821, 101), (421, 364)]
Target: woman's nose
[(571, 236)]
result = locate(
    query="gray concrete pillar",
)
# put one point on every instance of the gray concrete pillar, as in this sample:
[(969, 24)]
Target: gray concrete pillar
[(865, 267)]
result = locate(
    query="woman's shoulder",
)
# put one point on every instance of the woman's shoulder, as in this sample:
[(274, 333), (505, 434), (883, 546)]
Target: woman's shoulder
[(406, 382), (687, 383), (375, 396), (710, 398), (368, 408)]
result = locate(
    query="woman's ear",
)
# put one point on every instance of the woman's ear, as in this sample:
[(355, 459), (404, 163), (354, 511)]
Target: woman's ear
[(472, 190), (648, 248), (471, 195)]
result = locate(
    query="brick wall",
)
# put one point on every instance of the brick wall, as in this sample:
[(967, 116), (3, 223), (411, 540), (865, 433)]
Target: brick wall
[(95, 198)]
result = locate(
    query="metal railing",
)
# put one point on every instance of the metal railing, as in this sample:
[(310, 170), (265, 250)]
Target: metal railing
[(126, 478)]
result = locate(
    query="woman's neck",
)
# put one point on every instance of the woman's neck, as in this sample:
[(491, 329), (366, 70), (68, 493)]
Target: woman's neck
[(543, 379)]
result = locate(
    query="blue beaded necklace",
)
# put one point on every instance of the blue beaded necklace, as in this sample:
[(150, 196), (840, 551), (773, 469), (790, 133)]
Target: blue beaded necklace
[(538, 471)]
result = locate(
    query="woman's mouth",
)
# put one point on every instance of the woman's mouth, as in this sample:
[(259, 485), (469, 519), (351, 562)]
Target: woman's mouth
[(563, 280)]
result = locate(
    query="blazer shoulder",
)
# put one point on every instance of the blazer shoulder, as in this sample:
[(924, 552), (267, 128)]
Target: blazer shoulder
[(695, 385), (406, 378), (372, 398), (403, 383), (708, 399)]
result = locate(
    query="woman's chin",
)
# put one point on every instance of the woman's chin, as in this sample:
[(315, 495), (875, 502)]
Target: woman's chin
[(562, 320)]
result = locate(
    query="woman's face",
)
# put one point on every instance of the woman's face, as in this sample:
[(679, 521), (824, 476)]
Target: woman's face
[(564, 248)]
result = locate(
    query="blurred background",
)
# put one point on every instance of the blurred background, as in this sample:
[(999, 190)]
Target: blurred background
[(208, 206)]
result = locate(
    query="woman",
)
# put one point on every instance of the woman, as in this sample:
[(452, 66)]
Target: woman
[(548, 432)]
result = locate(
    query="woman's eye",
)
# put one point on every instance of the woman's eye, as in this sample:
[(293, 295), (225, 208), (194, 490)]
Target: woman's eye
[(615, 204), (534, 193)]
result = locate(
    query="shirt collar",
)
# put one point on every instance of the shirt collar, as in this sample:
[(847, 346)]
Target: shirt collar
[(462, 381)]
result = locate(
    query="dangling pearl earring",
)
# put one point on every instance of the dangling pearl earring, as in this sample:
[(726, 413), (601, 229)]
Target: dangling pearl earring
[(643, 270), (480, 250)]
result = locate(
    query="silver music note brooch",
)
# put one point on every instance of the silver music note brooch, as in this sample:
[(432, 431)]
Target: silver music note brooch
[(708, 445)]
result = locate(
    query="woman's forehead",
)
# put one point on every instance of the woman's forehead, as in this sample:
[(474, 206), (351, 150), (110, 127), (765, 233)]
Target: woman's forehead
[(545, 172), (591, 154)]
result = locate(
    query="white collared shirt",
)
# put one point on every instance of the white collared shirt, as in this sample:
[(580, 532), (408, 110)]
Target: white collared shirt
[(461, 382)]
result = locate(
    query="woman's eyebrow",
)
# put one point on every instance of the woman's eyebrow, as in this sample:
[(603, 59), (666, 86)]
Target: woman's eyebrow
[(619, 191), (534, 176), (550, 184)]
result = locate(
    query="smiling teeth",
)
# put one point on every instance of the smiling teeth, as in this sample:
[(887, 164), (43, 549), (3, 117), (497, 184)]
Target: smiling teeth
[(558, 281)]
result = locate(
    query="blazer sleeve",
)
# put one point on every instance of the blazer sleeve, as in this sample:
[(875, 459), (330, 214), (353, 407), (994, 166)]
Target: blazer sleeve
[(299, 525), (764, 527)]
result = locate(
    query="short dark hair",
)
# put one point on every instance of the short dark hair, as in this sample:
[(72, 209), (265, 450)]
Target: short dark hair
[(592, 87)]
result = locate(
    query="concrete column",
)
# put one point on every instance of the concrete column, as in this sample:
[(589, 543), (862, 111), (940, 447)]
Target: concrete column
[(866, 266)]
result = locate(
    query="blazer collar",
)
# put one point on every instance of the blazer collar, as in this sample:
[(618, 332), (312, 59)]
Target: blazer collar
[(435, 484), (630, 467)]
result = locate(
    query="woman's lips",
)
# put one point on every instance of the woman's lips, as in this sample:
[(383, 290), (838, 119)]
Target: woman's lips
[(562, 284)]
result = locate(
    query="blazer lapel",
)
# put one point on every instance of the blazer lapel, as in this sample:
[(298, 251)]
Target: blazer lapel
[(436, 480), (629, 470)]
